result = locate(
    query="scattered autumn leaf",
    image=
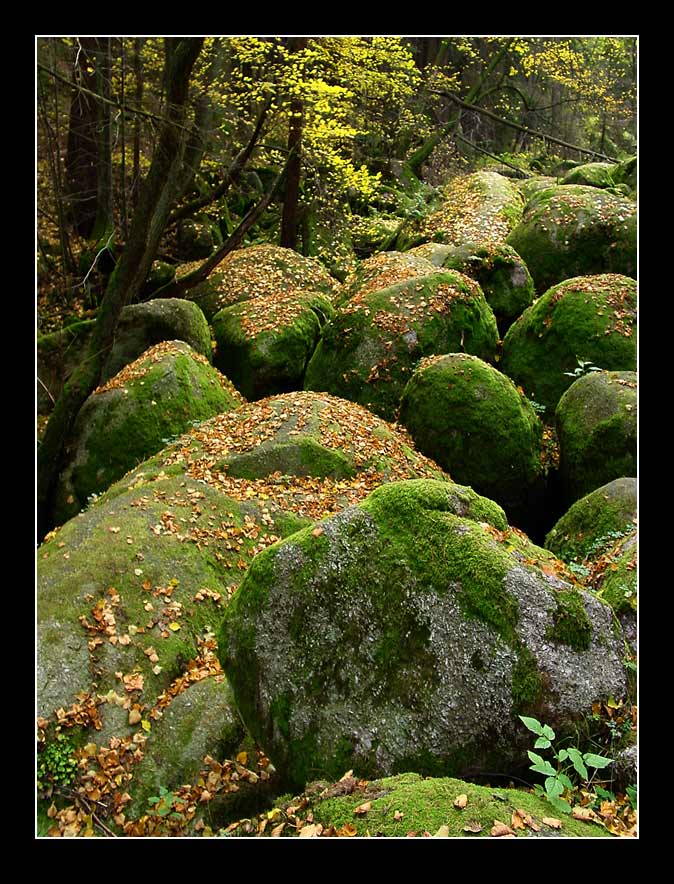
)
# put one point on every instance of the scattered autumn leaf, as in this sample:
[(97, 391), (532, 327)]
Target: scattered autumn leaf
[(472, 826), (363, 808), (500, 830), (552, 822), (461, 801)]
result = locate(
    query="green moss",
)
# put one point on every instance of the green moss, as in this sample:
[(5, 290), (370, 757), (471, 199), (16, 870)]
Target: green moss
[(407, 803), (472, 421), (619, 585), (571, 625), (527, 683)]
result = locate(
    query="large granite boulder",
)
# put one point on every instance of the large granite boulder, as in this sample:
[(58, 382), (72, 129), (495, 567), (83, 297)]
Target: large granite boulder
[(597, 430), (407, 634)]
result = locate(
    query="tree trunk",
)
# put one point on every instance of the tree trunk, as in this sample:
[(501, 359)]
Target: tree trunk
[(82, 150), (148, 223), (103, 221), (290, 218), (138, 73)]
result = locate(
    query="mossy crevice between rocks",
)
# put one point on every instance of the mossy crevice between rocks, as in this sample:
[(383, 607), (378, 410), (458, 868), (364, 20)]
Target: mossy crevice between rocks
[(396, 636)]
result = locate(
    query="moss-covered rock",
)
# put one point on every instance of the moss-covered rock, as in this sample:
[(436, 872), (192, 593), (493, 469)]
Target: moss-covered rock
[(129, 594), (595, 522), (589, 319), (407, 805), (368, 351), (381, 271), (194, 239), (597, 431), (472, 420), (626, 173), (311, 453), (255, 271), (133, 415), (574, 230), (265, 343), (532, 186), (614, 579), (502, 274), (592, 175), (372, 233), (479, 208), (160, 275), (399, 636), (140, 327)]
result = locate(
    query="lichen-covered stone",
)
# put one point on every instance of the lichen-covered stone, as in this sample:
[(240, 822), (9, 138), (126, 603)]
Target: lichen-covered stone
[(133, 415), (408, 805), (368, 351), (265, 343), (502, 274), (255, 271), (575, 230), (589, 318), (472, 420), (479, 208), (592, 174), (399, 636), (597, 430), (593, 523)]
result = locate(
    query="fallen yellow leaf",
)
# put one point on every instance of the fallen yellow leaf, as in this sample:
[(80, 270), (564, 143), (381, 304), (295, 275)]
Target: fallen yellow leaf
[(461, 801)]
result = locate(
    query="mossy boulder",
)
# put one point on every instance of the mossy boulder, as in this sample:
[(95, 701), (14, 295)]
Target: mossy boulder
[(401, 636), (595, 522), (532, 186), (482, 207), (614, 579), (502, 274), (372, 233), (129, 595), (409, 805), (255, 271), (592, 175), (265, 343), (140, 327), (133, 415), (368, 351), (161, 274), (589, 319), (597, 430), (311, 453), (575, 230), (472, 420), (381, 271), (626, 173), (194, 239)]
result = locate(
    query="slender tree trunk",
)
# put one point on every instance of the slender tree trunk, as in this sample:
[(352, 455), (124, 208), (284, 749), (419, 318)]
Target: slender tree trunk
[(290, 218), (82, 154), (138, 73), (123, 206), (148, 223), (103, 222)]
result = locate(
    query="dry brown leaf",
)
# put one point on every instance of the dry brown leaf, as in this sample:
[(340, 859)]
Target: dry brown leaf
[(584, 813), (311, 831), (363, 808), (317, 531), (347, 831), (397, 816), (500, 830), (528, 820), (276, 831), (346, 776), (552, 822), (472, 826), (134, 716), (516, 820), (461, 801)]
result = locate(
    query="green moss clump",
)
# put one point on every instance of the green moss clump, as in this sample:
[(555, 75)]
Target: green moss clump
[(572, 626), (408, 804), (592, 174), (617, 585), (368, 351), (590, 318)]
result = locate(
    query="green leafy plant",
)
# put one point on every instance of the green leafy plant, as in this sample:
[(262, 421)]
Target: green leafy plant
[(164, 805), (537, 407), (584, 367), (56, 764), (558, 785)]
